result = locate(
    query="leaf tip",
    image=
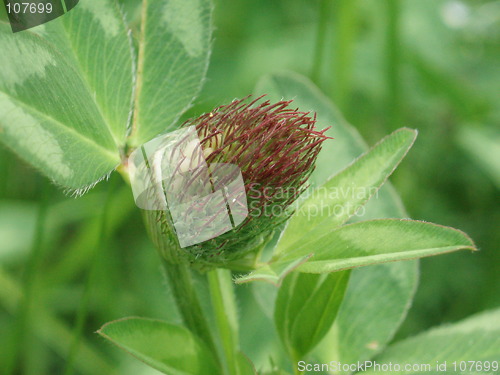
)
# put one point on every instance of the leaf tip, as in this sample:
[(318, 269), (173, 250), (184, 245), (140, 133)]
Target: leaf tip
[(411, 134)]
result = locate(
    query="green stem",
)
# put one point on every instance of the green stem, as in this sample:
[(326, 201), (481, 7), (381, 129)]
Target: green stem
[(4, 169), (63, 4), (392, 65), (89, 284), (324, 12), (224, 305), (186, 298), (26, 306), (343, 51)]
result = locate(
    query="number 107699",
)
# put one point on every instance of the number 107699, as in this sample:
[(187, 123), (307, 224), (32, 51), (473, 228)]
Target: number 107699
[(25, 8)]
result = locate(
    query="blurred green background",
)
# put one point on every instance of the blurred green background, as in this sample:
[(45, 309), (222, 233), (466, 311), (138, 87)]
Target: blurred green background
[(433, 65)]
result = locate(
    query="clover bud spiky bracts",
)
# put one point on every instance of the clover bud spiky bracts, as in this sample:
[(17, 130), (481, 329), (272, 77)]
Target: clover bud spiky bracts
[(274, 148)]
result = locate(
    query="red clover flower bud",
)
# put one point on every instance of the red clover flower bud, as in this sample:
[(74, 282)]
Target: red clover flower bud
[(275, 148)]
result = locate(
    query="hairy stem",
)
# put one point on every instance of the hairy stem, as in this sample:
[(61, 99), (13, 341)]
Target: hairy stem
[(186, 298), (224, 305)]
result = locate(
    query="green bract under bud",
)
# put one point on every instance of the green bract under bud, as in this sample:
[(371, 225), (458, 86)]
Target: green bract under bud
[(274, 148)]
